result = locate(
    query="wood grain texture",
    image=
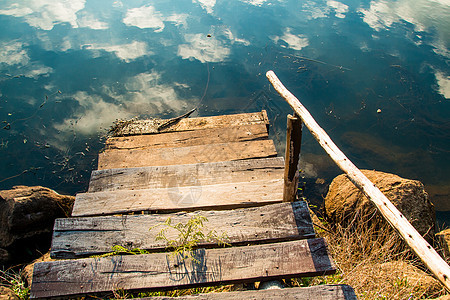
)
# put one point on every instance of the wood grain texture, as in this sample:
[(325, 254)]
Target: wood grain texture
[(147, 127), (292, 154), (318, 292), (435, 263), (187, 175), (111, 159), (75, 237), (158, 270), (217, 196), (190, 138)]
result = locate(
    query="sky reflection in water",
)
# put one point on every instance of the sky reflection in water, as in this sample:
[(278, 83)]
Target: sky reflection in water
[(70, 68)]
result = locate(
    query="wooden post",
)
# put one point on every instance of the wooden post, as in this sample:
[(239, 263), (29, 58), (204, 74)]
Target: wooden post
[(427, 254), (293, 146)]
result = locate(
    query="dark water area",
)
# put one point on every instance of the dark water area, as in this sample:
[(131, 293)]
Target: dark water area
[(374, 74)]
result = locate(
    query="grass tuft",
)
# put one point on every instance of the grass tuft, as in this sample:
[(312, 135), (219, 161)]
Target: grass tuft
[(12, 280)]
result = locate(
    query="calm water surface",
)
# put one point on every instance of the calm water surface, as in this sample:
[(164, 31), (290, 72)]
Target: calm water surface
[(68, 69)]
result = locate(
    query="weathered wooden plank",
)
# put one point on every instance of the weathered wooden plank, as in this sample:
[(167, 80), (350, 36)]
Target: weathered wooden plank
[(190, 138), (216, 196), (75, 237), (111, 159), (187, 175), (318, 292), (139, 127), (158, 270)]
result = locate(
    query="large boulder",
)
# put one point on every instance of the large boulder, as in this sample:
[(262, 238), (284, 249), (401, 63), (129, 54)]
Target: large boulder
[(345, 203), (28, 213)]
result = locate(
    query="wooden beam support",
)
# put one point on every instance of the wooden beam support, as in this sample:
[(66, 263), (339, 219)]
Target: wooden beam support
[(293, 146), (427, 254)]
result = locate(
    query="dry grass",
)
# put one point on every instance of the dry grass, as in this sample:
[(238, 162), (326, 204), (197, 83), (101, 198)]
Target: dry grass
[(375, 262), (121, 294)]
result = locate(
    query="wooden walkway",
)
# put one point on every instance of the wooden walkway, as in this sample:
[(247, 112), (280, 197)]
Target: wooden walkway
[(224, 168)]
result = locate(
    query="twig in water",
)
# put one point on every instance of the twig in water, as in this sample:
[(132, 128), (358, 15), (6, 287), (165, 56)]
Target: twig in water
[(175, 120), (32, 169)]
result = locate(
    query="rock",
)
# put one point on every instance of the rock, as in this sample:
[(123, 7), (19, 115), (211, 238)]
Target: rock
[(7, 294), (395, 278), (27, 215), (444, 241), (28, 211), (344, 201), (27, 272), (271, 285), (444, 297)]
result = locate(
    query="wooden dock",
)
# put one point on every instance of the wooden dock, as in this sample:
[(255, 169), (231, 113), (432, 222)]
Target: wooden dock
[(224, 168)]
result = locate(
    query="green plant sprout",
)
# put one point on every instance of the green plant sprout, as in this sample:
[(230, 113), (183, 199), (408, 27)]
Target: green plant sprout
[(189, 235), (120, 250), (13, 280)]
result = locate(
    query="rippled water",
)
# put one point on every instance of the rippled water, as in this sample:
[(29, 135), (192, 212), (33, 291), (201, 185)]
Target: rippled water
[(70, 68)]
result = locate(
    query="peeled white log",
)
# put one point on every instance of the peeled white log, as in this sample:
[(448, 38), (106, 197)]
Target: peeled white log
[(422, 248)]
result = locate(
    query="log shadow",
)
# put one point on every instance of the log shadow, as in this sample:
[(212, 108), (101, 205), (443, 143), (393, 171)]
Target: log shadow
[(194, 270)]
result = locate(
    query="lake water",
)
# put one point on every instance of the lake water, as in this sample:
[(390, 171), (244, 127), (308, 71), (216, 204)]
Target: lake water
[(374, 74)]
